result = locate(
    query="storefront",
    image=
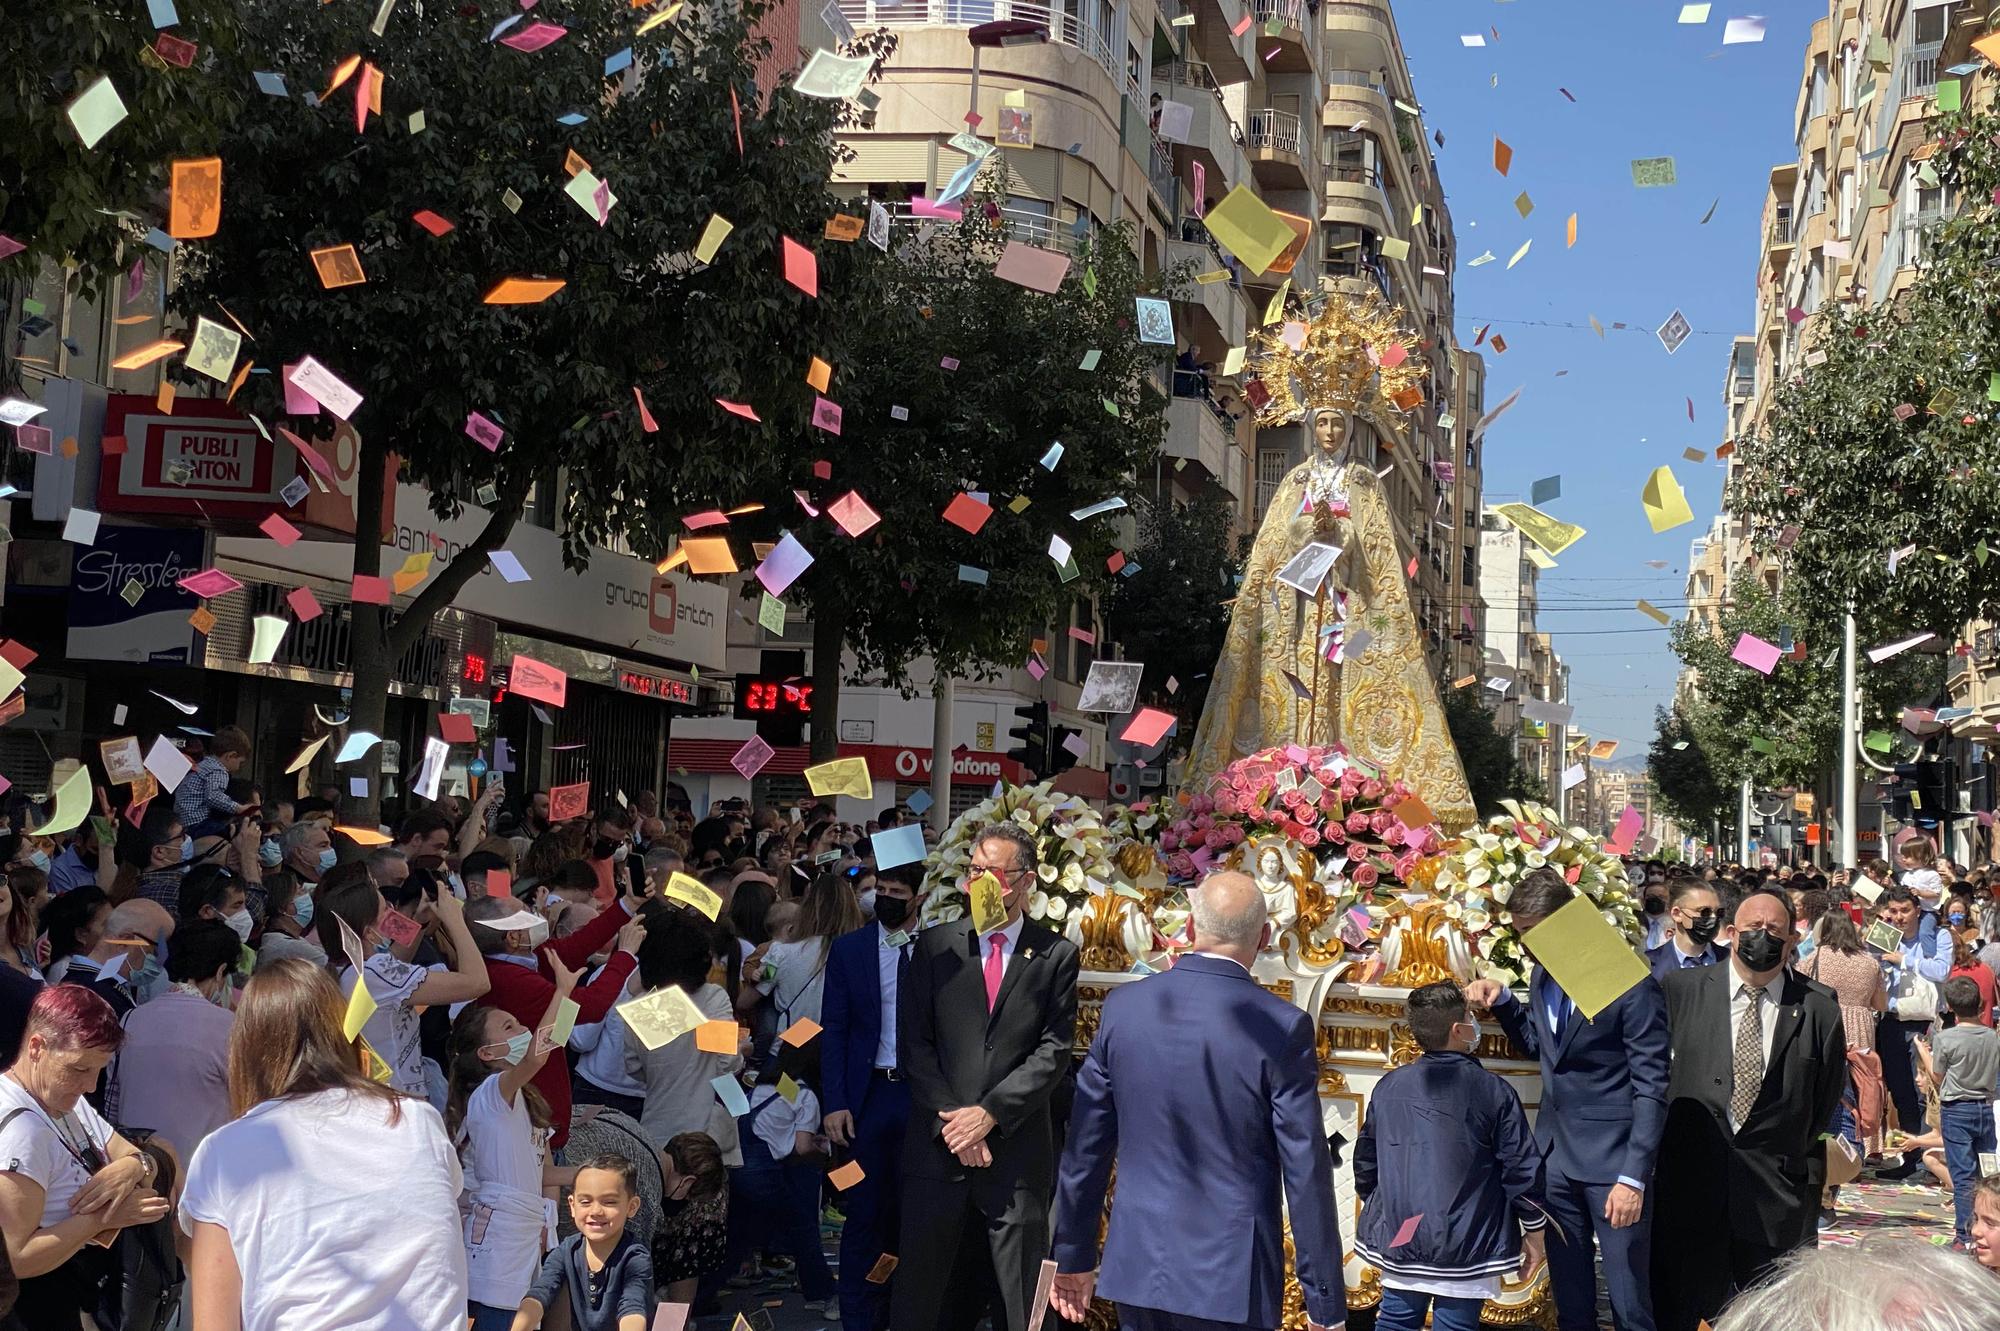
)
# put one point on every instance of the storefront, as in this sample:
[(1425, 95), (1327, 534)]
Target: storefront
[(701, 754)]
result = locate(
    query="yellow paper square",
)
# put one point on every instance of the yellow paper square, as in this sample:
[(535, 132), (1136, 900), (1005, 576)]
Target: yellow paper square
[(1590, 960), (986, 903), (1666, 504), (1244, 225), (684, 888), (842, 776), (712, 236), (360, 1007), (662, 1016), (1395, 248)]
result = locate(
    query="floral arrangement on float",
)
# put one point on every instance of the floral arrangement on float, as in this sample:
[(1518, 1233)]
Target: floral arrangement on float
[(1324, 837), (1475, 878)]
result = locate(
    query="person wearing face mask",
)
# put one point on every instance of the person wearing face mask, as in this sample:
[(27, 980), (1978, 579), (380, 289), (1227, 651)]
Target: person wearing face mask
[(172, 1073), (211, 892), (289, 917), (867, 1097), (167, 851), (71, 926), (1655, 901), (500, 1125), (398, 988), (1694, 918), (135, 937), (307, 850), (1759, 1058), (1604, 1102), (512, 943), (618, 873)]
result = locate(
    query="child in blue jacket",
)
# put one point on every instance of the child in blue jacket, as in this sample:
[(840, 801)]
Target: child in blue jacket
[(1448, 1174)]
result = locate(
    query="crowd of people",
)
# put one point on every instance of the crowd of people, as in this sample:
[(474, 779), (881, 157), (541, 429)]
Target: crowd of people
[(262, 1072)]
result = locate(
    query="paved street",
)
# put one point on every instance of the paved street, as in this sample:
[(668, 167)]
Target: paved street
[(1867, 1208)]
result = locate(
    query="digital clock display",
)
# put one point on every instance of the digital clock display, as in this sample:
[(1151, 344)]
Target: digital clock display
[(762, 696)]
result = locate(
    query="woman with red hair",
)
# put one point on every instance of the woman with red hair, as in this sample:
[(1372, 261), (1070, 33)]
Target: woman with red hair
[(70, 1182)]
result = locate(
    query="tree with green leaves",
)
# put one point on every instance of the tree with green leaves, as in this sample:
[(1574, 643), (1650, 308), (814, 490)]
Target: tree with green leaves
[(1492, 771), (1683, 779), (1783, 729), (87, 206), (1172, 613), (595, 160), (953, 382), (1877, 482)]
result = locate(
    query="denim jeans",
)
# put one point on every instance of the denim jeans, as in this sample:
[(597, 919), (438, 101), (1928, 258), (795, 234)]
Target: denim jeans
[(1968, 1130), (486, 1317), (1403, 1310)]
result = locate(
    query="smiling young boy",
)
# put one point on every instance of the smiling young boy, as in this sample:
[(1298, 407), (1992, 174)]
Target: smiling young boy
[(609, 1275)]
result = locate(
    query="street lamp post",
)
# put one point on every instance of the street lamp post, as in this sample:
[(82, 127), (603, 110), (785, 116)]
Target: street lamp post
[(1003, 32)]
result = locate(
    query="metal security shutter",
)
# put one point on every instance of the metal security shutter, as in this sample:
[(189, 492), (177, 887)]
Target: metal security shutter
[(1032, 172), (887, 161)]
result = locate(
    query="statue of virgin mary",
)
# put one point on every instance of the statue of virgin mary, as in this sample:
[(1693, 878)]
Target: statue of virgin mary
[(1322, 645)]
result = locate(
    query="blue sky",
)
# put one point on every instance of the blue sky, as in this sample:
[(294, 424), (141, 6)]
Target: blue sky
[(1645, 86)]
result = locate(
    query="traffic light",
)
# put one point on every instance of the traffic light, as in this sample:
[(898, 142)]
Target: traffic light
[(1918, 795), (1032, 752), (1061, 759)]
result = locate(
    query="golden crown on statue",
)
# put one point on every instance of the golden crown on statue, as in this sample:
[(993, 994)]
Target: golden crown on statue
[(1353, 356)]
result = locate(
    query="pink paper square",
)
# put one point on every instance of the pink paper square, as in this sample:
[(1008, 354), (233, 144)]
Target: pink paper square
[(747, 412), (1407, 1230), (1629, 823), (801, 266), (279, 530), (485, 431), (1036, 668), (826, 415), (304, 604), (1754, 652), (713, 517), (851, 511), (925, 208), (35, 439), (369, 589), (397, 927), (750, 759), (1147, 726), (534, 37), (210, 583)]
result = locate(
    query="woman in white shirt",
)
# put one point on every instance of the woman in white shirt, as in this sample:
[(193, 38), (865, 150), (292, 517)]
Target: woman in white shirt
[(70, 1182), (331, 1201), (500, 1124), (793, 973)]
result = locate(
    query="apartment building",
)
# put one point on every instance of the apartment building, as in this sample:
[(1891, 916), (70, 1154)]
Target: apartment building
[(1517, 654)]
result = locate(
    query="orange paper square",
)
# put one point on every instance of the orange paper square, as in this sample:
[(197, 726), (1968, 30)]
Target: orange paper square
[(338, 266), (524, 290), (800, 1033), (716, 1037), (846, 1176)]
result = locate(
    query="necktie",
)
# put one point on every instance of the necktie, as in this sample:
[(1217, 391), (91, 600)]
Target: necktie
[(993, 967), (1748, 1062)]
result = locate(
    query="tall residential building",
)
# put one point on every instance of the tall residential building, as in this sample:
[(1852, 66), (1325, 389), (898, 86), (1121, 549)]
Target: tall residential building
[(1516, 652)]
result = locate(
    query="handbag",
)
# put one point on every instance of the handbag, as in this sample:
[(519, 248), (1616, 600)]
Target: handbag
[(1913, 998)]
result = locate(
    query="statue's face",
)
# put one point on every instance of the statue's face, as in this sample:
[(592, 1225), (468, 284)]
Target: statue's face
[(1330, 431), (1268, 863)]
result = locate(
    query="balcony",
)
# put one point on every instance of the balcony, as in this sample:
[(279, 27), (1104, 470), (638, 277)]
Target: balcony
[(1229, 57), (1288, 36), (1220, 304), (1197, 432), (1065, 28), (1213, 139), (1273, 139)]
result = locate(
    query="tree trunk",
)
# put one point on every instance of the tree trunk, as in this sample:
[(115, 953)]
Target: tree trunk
[(828, 643), (377, 644)]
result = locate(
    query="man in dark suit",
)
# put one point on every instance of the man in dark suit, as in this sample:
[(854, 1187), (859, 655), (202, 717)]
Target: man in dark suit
[(1604, 1102), (1694, 914), (1200, 1059), (985, 1024), (1759, 1059), (866, 1092)]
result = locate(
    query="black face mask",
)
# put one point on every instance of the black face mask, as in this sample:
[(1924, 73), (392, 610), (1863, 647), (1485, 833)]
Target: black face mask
[(1704, 930), (1760, 949), (604, 848), (1656, 905), (891, 911)]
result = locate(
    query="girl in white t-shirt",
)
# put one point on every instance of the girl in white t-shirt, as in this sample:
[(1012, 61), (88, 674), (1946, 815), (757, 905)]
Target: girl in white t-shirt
[(500, 1124)]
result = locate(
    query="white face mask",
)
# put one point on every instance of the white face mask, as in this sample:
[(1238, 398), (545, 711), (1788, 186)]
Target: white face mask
[(538, 934), (239, 923), (868, 902)]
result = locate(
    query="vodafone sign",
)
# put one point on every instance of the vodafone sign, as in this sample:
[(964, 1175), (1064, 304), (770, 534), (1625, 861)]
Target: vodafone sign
[(909, 765)]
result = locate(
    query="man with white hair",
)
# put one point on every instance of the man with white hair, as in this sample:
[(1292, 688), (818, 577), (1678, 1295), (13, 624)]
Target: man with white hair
[(1200, 1058), (1883, 1284)]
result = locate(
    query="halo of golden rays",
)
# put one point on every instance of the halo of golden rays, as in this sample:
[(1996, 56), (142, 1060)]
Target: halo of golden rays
[(1338, 363)]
